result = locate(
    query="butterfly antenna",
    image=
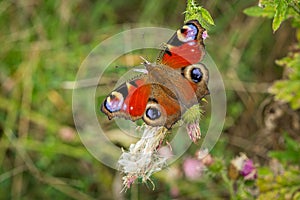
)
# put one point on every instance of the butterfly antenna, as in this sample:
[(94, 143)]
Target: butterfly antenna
[(146, 62)]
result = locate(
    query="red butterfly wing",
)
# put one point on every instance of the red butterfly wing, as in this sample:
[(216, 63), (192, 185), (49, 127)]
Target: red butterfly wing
[(138, 100), (186, 46), (129, 100)]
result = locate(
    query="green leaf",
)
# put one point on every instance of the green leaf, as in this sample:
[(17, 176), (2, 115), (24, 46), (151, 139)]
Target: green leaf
[(217, 167), (291, 152), (194, 11), (291, 144), (280, 13), (288, 90), (206, 16), (254, 11)]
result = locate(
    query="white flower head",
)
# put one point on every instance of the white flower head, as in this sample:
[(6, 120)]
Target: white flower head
[(143, 159)]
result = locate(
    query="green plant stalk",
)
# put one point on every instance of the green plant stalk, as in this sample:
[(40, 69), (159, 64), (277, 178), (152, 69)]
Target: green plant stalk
[(229, 185)]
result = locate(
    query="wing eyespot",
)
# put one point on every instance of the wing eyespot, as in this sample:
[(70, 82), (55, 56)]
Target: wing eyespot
[(153, 113), (114, 102), (196, 73)]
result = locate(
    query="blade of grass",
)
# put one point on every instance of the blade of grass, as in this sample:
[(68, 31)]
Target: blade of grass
[(54, 182)]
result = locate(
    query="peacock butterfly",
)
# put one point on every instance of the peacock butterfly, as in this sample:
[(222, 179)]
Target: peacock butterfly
[(171, 85)]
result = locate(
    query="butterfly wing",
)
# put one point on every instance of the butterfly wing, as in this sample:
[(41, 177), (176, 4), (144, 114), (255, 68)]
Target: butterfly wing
[(163, 108), (172, 93), (139, 98), (183, 52), (185, 47), (129, 100), (170, 87)]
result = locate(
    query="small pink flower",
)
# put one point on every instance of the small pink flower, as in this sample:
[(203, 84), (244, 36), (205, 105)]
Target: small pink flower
[(194, 131), (204, 157), (128, 181), (249, 171), (67, 134), (205, 35), (193, 168), (242, 166), (174, 192)]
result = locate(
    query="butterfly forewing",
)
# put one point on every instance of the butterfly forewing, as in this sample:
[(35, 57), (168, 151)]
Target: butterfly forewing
[(185, 47)]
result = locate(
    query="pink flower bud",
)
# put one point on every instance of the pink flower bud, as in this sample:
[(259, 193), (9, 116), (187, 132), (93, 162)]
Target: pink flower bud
[(204, 157)]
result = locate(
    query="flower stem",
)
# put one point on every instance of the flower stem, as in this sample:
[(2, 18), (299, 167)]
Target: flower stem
[(135, 192), (229, 184)]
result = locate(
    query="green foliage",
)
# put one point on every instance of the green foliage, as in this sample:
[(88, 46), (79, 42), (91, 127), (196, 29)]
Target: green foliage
[(193, 11), (282, 179), (288, 89), (279, 10), (280, 13), (291, 154), (238, 189), (257, 11), (285, 185)]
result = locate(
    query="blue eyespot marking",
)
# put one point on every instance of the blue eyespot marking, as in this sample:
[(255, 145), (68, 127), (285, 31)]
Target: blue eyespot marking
[(196, 75), (153, 113)]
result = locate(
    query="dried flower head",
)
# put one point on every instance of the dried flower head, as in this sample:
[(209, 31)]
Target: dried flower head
[(192, 118), (194, 131), (143, 159), (148, 155)]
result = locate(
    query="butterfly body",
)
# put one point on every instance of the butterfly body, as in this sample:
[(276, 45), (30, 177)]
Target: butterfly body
[(171, 85)]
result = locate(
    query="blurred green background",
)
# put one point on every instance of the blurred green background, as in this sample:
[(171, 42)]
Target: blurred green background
[(42, 46)]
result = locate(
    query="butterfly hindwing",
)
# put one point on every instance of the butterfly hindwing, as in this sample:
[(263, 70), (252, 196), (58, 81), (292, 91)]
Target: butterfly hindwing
[(162, 108)]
